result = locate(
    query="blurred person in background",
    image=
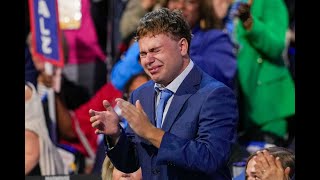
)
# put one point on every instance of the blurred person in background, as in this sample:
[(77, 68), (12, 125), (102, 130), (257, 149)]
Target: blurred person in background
[(134, 10), (86, 65), (211, 48), (41, 155), (273, 163), (267, 92), (109, 172)]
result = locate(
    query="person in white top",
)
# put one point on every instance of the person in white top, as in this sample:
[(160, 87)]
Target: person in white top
[(39, 149)]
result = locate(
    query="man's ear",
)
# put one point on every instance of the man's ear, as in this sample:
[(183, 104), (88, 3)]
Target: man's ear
[(183, 44)]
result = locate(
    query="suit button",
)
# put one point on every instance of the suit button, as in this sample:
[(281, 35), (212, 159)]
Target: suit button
[(259, 60)]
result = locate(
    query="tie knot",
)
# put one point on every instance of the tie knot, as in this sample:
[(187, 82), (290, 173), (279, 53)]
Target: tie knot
[(166, 93)]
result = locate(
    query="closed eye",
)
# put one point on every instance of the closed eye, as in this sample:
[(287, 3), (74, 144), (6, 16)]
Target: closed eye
[(143, 54)]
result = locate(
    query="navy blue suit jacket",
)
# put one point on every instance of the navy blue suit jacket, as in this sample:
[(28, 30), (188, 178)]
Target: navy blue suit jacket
[(200, 128)]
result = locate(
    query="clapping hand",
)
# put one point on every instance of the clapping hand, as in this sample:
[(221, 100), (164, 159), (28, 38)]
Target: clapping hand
[(105, 122)]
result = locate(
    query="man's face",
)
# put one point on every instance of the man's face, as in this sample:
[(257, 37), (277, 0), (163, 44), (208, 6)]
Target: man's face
[(190, 9), (162, 57)]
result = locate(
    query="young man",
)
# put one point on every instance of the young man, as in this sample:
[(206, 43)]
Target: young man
[(193, 138)]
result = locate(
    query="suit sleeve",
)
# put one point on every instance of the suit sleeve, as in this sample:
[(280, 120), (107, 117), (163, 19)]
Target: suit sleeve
[(210, 150), (124, 155)]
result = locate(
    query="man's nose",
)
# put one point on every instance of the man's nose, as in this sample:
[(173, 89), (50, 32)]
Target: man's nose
[(150, 57)]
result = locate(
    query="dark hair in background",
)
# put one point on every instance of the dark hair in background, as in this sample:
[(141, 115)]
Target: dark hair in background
[(208, 17), (164, 21), (126, 92)]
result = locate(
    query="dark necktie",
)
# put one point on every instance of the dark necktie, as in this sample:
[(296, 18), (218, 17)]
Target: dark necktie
[(165, 94)]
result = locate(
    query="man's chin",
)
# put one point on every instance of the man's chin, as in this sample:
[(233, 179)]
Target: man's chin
[(157, 80)]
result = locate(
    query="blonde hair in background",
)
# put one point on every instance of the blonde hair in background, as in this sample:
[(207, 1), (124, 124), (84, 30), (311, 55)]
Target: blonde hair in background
[(107, 169)]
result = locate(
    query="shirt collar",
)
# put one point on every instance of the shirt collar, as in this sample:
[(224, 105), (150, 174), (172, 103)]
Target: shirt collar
[(174, 85)]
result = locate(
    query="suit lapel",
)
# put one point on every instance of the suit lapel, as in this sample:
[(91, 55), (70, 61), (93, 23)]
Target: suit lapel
[(187, 88), (148, 103)]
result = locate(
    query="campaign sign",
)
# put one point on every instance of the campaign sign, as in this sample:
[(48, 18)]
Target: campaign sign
[(46, 34)]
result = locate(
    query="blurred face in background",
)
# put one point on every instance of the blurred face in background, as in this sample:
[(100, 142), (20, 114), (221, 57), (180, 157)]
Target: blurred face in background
[(138, 81), (251, 170), (189, 8), (221, 7)]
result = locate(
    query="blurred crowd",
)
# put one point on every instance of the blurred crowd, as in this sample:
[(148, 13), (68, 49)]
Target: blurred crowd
[(247, 45)]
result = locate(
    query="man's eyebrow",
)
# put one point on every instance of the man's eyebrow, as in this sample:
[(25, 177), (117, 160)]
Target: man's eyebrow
[(155, 48)]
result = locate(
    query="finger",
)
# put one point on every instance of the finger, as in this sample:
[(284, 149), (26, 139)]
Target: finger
[(97, 131), (92, 112), (127, 109), (119, 100), (124, 105), (250, 2), (258, 166), (278, 163), (262, 159), (139, 107), (96, 124), (107, 105), (269, 158), (93, 118)]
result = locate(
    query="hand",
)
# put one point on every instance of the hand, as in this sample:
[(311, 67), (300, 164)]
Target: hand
[(136, 117), (45, 79), (270, 168), (244, 14), (51, 81), (105, 122)]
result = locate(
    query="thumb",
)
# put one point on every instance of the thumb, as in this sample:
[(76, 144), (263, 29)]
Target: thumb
[(278, 163), (107, 105)]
